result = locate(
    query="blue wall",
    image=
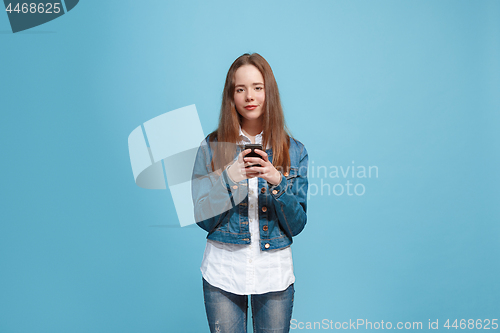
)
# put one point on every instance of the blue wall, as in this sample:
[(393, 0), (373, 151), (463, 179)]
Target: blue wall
[(410, 88)]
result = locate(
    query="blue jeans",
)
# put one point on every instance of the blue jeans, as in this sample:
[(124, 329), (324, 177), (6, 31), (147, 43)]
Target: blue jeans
[(227, 312)]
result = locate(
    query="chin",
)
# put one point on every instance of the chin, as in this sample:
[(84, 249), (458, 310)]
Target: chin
[(253, 118)]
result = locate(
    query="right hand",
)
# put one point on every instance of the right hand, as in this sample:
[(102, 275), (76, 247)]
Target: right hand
[(237, 170)]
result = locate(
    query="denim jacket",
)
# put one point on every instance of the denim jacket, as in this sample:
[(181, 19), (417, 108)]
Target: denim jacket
[(221, 205)]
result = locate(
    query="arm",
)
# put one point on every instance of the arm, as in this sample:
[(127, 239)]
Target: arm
[(290, 198), (214, 193)]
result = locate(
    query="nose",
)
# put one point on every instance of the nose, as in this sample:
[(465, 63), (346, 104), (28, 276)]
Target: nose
[(249, 96)]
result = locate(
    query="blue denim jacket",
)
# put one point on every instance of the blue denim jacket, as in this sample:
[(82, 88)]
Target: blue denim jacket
[(221, 205)]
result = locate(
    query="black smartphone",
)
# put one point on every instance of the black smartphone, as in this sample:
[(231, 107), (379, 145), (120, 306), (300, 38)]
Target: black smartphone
[(253, 153)]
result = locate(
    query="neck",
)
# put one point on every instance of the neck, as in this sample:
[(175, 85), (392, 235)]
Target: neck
[(251, 127)]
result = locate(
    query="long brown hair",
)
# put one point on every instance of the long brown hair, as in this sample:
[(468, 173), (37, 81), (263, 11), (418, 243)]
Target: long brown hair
[(275, 131)]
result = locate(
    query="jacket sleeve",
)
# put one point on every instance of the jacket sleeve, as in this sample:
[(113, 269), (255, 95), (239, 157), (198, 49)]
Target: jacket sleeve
[(290, 198), (213, 193)]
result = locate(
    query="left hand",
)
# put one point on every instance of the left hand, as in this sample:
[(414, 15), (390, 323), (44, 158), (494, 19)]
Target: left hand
[(266, 171)]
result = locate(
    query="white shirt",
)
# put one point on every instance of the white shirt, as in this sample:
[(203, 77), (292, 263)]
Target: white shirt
[(245, 269)]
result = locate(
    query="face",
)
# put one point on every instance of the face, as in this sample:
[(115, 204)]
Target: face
[(249, 92)]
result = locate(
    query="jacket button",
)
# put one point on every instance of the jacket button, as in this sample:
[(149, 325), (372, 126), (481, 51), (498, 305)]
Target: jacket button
[(264, 228), (264, 209), (263, 190), (275, 191), (235, 186), (285, 174), (267, 245)]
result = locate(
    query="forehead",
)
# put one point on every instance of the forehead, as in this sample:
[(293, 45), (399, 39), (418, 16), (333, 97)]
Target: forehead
[(248, 74)]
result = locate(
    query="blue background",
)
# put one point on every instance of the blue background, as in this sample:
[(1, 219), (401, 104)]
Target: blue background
[(411, 87)]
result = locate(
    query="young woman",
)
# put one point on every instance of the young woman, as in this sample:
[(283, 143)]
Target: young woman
[(251, 207)]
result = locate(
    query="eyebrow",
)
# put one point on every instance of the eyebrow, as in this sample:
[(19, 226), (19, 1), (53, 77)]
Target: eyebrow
[(255, 84)]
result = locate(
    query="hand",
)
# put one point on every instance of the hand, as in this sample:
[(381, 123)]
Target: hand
[(237, 171), (266, 170)]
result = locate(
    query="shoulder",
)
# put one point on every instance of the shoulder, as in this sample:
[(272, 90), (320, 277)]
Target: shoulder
[(297, 145), (212, 137)]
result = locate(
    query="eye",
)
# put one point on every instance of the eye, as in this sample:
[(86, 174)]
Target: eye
[(258, 88), (239, 90)]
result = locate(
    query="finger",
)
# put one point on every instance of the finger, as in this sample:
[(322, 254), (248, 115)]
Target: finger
[(256, 169), (250, 172), (243, 153), (246, 151), (253, 159), (253, 164), (261, 153)]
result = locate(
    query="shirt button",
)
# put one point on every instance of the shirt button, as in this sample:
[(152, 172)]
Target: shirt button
[(275, 191), (250, 261), (251, 206), (263, 190), (235, 186), (251, 192), (264, 209), (267, 245), (264, 228), (251, 220)]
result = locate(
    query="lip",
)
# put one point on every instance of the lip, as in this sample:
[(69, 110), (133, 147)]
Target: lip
[(250, 107)]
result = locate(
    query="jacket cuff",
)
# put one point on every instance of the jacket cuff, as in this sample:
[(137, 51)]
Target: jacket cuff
[(230, 181), (278, 190), (232, 186)]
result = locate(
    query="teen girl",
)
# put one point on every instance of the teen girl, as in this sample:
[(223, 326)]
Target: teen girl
[(251, 207)]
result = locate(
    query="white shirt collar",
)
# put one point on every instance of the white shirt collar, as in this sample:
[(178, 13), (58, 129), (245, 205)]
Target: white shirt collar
[(258, 138), (258, 135)]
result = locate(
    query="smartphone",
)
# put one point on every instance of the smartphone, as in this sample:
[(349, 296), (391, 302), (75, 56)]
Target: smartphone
[(253, 153)]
